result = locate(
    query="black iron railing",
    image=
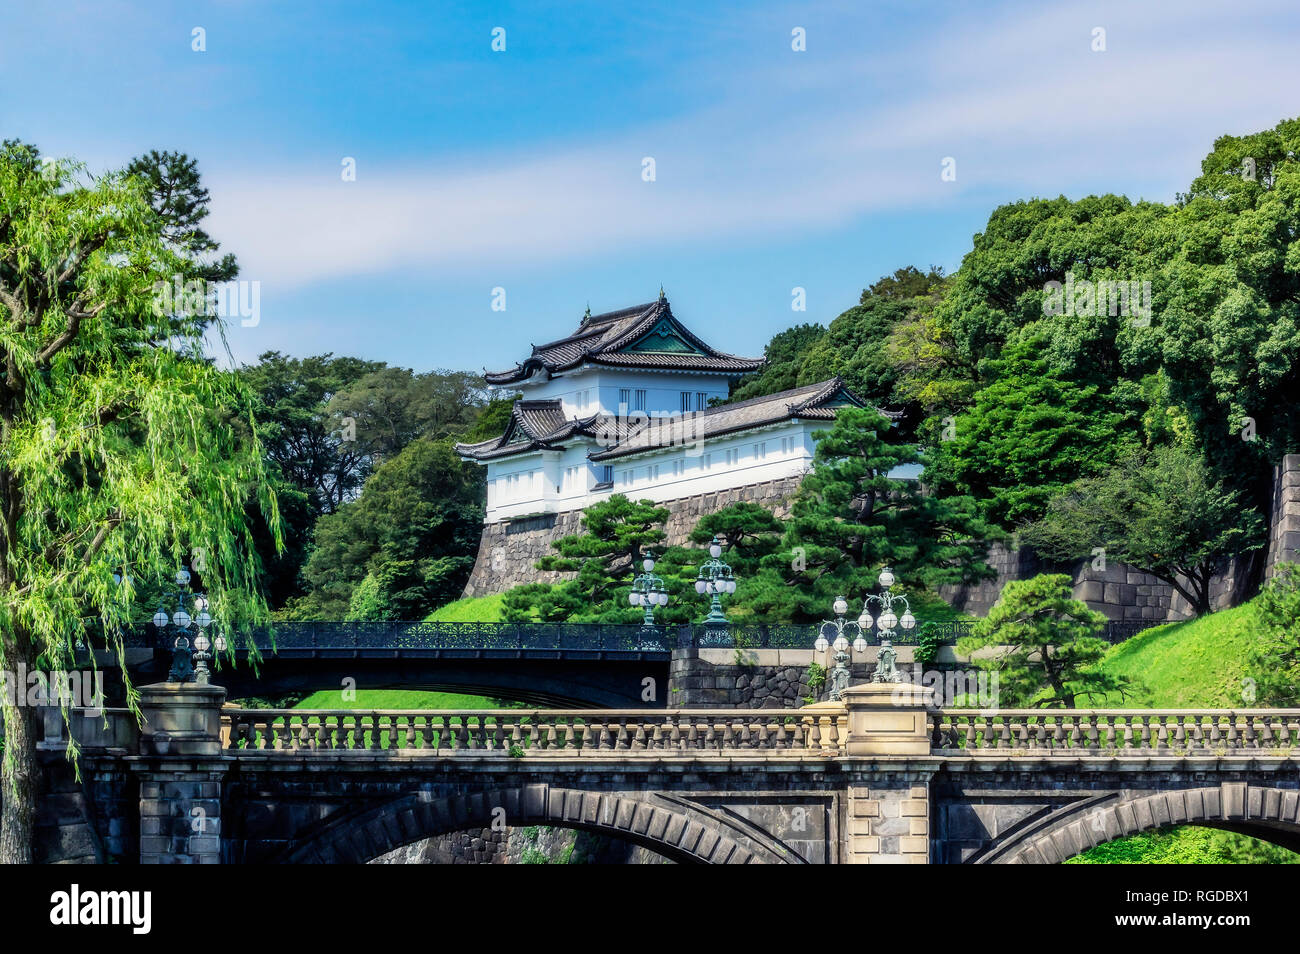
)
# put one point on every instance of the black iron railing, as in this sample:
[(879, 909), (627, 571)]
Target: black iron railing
[(576, 637)]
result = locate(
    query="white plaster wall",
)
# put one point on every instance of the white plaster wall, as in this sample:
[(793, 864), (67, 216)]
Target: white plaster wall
[(566, 481), (588, 391)]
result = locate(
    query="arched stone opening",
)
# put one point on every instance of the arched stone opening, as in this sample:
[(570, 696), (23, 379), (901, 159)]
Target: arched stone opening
[(673, 828), (532, 844), (1271, 814)]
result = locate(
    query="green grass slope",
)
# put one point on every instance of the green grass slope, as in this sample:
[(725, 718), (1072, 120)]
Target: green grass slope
[(474, 609), (395, 699), (1199, 664)]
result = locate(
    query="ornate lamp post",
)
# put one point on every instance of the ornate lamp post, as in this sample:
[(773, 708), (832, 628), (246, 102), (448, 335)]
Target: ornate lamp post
[(715, 579), (886, 671), (649, 591), (191, 642), (832, 635)]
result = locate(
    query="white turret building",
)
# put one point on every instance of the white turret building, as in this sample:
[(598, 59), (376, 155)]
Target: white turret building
[(625, 404)]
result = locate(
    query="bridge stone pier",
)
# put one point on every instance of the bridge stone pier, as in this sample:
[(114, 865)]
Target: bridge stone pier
[(882, 778)]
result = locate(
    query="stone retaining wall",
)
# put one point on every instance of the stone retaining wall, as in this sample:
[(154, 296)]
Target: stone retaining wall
[(509, 549), (1284, 527), (1123, 593)]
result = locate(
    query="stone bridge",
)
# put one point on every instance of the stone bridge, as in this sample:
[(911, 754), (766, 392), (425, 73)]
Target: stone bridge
[(881, 778)]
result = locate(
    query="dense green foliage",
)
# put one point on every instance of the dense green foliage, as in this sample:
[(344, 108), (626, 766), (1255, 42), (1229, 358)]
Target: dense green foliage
[(1187, 845), (330, 423), (850, 518), (118, 455), (1028, 434), (1160, 511), (406, 545), (1275, 659)]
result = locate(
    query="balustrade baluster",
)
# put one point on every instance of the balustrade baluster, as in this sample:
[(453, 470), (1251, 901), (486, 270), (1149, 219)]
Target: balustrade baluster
[(1004, 735), (1267, 733), (1144, 742), (1020, 731), (1181, 741), (1162, 734), (658, 740), (675, 741), (1090, 736), (1109, 740)]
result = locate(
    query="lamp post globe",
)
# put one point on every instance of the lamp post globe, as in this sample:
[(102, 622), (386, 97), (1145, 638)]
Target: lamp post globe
[(648, 591), (189, 633), (841, 630), (886, 621), (715, 579)]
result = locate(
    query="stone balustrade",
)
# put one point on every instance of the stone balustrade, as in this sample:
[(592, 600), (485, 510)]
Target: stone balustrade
[(1115, 732), (822, 729), (199, 782), (568, 733)]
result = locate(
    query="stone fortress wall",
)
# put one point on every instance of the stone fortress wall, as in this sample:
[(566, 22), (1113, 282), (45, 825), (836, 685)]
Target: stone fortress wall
[(509, 550)]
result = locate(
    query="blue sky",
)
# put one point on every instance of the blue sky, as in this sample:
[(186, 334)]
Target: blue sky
[(522, 169)]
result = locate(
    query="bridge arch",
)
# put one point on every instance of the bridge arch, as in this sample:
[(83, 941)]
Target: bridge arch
[(1271, 814), (675, 828)]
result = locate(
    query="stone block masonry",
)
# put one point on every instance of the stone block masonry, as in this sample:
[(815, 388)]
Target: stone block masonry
[(1124, 593), (1284, 527), (509, 550)]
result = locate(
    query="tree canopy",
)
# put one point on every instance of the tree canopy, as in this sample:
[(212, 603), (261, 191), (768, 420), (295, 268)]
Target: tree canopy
[(116, 459)]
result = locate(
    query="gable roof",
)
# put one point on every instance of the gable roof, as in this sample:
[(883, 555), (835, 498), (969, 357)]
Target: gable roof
[(540, 425), (643, 336), (814, 402), (533, 425)]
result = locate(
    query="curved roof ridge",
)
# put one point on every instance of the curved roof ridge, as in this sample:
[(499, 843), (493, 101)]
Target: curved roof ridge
[(598, 340)]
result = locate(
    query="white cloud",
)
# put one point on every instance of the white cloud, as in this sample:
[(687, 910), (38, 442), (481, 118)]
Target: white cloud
[(1021, 101)]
